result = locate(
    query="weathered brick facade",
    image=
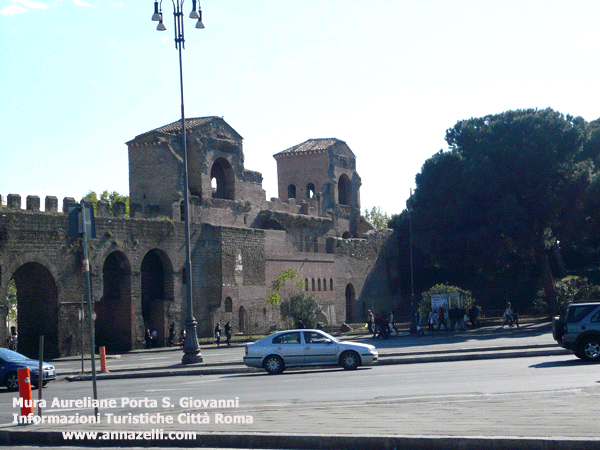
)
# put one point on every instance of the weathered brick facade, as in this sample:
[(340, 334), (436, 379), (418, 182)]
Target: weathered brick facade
[(240, 243)]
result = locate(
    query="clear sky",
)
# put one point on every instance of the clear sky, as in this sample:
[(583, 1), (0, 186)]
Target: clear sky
[(80, 78)]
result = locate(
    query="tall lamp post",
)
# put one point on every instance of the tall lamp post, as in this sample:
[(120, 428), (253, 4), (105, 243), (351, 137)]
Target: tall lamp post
[(191, 349)]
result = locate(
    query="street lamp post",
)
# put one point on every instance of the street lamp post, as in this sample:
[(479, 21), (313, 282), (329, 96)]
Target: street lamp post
[(191, 349)]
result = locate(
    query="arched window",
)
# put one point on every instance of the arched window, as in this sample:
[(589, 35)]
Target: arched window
[(331, 284), (313, 284), (291, 191), (324, 284), (306, 284), (319, 284), (228, 305), (222, 179), (344, 190), (310, 190)]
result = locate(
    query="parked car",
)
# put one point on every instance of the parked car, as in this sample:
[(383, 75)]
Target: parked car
[(579, 330), (294, 348), (11, 361)]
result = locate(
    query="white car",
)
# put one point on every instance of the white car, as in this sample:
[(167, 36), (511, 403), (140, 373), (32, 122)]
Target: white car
[(306, 348)]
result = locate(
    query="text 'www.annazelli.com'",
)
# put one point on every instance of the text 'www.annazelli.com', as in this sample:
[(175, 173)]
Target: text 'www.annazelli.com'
[(152, 435)]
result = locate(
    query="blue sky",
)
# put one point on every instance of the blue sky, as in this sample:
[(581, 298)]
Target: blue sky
[(79, 78)]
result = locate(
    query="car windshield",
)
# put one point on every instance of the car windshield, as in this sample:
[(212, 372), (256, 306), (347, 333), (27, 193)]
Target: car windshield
[(328, 336), (577, 313), (10, 356)]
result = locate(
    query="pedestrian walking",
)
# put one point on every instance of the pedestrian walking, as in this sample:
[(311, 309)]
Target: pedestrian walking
[(228, 333), (218, 334), (392, 323), (370, 321)]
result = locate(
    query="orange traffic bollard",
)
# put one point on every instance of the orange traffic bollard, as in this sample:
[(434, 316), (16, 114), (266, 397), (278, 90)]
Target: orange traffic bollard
[(103, 360), (25, 391)]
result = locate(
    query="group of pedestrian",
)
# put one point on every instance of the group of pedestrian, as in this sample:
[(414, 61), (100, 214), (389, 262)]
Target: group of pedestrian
[(382, 325), (219, 331), (151, 338), (510, 316), (453, 318)]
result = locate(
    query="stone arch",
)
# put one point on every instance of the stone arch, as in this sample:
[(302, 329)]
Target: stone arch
[(311, 191), (37, 309), (344, 190), (222, 179), (346, 235), (350, 300), (114, 315), (157, 288), (228, 305), (291, 191)]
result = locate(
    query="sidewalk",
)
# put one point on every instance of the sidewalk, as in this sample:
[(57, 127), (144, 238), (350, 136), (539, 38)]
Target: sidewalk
[(529, 340)]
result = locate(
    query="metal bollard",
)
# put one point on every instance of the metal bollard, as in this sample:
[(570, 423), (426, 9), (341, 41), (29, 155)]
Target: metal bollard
[(25, 391)]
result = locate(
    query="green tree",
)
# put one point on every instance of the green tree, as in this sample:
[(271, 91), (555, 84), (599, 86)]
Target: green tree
[(496, 199), (301, 306), (111, 197), (298, 305), (377, 217), (425, 305)]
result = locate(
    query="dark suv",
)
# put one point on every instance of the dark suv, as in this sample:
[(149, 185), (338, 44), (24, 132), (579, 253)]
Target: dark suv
[(579, 330)]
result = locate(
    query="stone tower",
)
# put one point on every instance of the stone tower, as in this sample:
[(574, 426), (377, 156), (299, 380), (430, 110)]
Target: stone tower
[(322, 172)]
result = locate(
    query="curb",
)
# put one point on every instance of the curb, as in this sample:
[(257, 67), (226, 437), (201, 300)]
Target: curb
[(381, 362), (281, 441)]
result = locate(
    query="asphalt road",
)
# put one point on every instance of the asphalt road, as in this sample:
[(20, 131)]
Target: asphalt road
[(521, 397)]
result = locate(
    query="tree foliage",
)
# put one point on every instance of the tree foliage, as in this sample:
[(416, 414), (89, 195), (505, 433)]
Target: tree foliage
[(111, 197), (498, 199), (298, 305), (290, 280), (425, 305), (301, 306), (378, 218)]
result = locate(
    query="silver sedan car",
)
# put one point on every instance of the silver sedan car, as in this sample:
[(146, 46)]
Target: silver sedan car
[(293, 348)]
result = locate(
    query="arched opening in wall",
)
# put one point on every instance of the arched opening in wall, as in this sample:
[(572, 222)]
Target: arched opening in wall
[(313, 284), (114, 316), (344, 190), (350, 300), (310, 190), (157, 288), (222, 179), (242, 320), (346, 235), (324, 284), (291, 191), (228, 305), (331, 284), (306, 284), (318, 284), (37, 311)]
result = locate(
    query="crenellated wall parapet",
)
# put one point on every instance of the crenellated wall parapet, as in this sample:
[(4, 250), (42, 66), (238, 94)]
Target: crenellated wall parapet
[(14, 202)]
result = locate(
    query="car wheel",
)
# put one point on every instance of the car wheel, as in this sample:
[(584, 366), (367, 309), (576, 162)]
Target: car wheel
[(557, 328), (11, 381), (349, 360), (589, 349), (273, 365)]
